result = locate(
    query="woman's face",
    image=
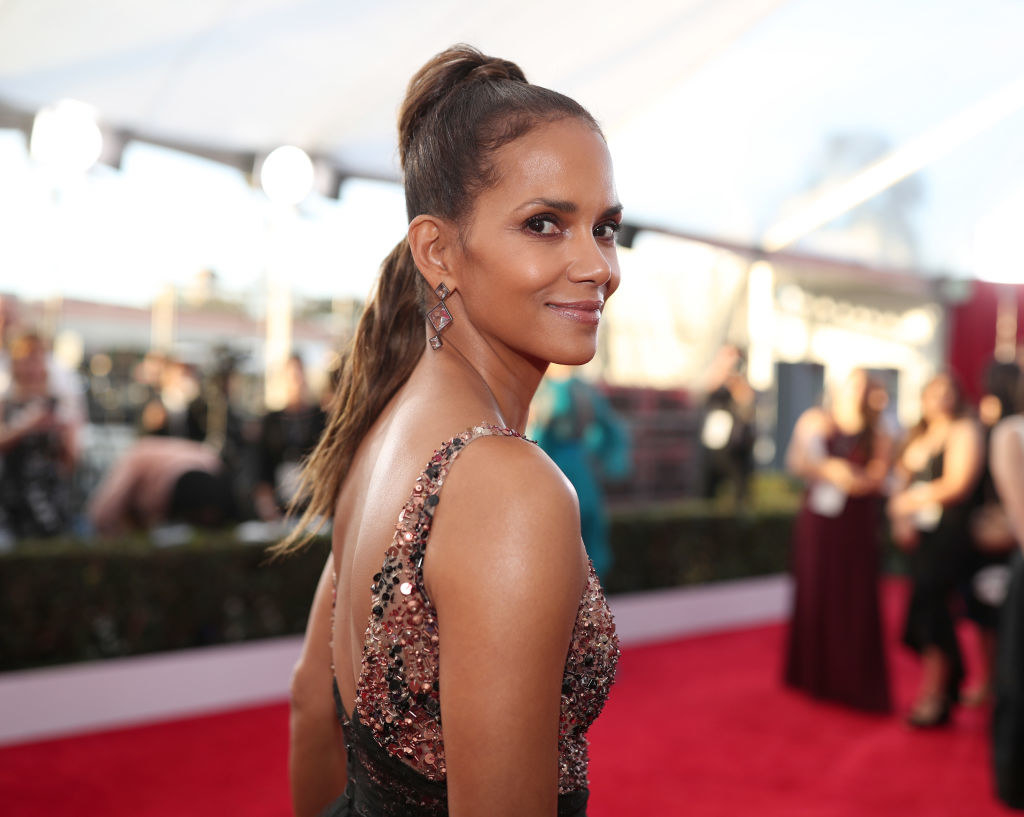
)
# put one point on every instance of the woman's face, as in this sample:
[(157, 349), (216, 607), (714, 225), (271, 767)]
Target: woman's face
[(937, 399), (28, 366), (538, 262)]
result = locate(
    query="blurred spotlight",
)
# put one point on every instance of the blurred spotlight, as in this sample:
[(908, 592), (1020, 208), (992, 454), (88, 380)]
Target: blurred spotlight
[(918, 326), (69, 349), (287, 175), (66, 137)]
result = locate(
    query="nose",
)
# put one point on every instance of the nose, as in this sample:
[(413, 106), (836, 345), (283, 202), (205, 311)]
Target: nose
[(591, 262)]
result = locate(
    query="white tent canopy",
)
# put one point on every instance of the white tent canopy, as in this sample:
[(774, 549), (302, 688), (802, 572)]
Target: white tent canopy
[(725, 117)]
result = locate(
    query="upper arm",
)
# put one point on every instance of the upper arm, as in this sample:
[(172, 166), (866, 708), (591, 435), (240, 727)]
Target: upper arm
[(1007, 463), (810, 424), (311, 679), (506, 572), (316, 753), (882, 448), (963, 460)]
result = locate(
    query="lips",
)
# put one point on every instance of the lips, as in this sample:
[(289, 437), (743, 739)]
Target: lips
[(588, 312)]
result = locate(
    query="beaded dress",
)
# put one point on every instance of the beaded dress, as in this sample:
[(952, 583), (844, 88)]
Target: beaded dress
[(393, 740)]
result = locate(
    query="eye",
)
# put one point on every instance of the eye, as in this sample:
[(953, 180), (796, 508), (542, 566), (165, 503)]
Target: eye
[(607, 230), (542, 225)]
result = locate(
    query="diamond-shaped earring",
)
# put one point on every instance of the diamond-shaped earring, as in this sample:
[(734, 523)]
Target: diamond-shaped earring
[(439, 316)]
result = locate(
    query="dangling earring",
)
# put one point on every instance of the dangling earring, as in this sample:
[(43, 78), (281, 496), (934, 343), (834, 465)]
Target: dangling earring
[(439, 316)]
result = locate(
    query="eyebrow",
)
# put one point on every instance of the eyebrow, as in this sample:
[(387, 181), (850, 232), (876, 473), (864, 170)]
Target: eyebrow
[(568, 206)]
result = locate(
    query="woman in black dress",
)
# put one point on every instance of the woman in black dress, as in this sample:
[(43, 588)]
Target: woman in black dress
[(992, 542), (939, 470), (835, 649), (1007, 463), (466, 649)]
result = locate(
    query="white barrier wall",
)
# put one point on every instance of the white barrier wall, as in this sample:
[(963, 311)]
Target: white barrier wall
[(61, 701)]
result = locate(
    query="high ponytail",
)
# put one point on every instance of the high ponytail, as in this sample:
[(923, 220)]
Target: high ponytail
[(382, 354), (459, 109)]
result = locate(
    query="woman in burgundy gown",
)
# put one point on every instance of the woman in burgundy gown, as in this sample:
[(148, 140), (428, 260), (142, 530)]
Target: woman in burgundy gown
[(835, 650)]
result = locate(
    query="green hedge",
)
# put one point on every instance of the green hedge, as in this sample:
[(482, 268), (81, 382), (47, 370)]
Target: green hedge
[(80, 602), (62, 602), (672, 547)]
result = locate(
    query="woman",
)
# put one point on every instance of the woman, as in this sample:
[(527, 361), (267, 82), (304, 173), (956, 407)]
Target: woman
[(577, 427), (835, 649), (1007, 464), (287, 436), (986, 567), (37, 447), (480, 606), (939, 470)]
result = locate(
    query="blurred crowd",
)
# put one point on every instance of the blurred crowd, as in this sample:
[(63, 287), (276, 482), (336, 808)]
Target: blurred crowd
[(950, 490), (84, 453)]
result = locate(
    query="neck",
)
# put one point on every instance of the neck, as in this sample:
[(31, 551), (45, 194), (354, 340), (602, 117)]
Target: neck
[(503, 381), (938, 425), (849, 421)]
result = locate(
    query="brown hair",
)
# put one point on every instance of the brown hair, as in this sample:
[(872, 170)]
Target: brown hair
[(960, 406), (459, 109)]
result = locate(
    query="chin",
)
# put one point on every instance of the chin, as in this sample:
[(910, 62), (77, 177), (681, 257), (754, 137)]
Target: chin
[(573, 357)]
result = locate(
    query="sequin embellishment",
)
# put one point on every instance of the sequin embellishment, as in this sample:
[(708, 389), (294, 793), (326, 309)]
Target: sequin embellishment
[(398, 697)]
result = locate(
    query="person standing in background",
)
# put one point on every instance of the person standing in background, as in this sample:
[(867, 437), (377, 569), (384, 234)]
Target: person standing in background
[(938, 469), (179, 410), (38, 446), (576, 426), (835, 649), (986, 566), (287, 437), (1007, 465), (728, 430)]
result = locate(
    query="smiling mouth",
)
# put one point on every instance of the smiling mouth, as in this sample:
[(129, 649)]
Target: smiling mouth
[(588, 312)]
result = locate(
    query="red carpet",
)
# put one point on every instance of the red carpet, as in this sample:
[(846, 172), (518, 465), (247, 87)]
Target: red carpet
[(698, 726)]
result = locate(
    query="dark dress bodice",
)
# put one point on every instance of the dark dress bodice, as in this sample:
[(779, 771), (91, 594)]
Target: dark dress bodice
[(936, 564), (394, 738)]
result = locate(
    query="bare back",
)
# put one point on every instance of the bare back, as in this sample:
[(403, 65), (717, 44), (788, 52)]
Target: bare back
[(388, 461)]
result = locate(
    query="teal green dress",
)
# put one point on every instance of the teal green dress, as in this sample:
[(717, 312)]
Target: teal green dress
[(576, 426)]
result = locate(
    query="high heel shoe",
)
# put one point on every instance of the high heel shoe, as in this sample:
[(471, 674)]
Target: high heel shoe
[(929, 713)]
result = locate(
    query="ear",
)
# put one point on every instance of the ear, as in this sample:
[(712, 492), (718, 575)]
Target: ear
[(432, 243)]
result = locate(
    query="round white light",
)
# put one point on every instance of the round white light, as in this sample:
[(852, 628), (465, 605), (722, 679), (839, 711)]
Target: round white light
[(287, 175), (918, 325), (65, 136)]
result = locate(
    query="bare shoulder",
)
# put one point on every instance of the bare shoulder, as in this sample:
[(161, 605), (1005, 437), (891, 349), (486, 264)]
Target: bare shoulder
[(1008, 432), (814, 420), (506, 514), (966, 431), (1007, 441)]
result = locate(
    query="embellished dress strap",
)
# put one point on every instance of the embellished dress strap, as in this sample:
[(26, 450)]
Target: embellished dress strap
[(397, 694), (415, 527)]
